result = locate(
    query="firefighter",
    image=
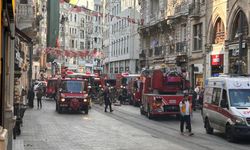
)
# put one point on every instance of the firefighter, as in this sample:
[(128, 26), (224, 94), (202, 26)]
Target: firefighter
[(186, 111), (107, 99)]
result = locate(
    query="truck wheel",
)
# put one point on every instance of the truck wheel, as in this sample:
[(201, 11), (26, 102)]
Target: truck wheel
[(209, 129), (229, 134), (87, 110)]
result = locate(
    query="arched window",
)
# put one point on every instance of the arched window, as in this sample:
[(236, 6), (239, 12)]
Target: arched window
[(219, 32), (236, 26)]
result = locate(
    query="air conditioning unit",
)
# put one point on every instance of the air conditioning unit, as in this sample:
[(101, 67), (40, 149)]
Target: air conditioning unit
[(198, 68)]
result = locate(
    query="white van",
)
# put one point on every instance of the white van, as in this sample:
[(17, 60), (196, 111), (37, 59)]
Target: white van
[(226, 106)]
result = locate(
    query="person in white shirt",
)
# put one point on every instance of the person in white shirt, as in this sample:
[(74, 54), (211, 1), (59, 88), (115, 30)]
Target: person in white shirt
[(186, 111)]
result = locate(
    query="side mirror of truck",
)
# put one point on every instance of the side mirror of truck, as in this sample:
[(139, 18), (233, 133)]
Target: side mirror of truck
[(223, 103)]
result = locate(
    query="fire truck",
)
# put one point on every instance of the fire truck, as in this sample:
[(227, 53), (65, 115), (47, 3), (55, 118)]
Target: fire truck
[(72, 95), (128, 82), (51, 88), (162, 93)]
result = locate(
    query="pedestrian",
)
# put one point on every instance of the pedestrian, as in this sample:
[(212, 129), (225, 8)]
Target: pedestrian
[(23, 94), (186, 111), (107, 100), (201, 95), (31, 96), (196, 97), (39, 96)]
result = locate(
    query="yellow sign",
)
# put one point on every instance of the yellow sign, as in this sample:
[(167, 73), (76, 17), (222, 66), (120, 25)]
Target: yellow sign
[(73, 2), (14, 7)]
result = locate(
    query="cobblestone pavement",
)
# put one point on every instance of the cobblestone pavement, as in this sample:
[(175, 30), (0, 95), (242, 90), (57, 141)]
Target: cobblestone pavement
[(45, 129), (124, 129)]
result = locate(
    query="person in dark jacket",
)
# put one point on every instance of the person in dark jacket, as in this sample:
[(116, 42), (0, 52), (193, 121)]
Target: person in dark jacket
[(107, 100), (39, 96), (31, 96)]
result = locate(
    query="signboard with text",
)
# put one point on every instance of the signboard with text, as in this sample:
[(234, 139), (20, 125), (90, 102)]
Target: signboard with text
[(217, 60)]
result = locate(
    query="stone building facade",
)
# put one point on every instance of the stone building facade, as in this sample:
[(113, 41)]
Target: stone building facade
[(228, 30), (201, 37), (165, 35), (120, 38)]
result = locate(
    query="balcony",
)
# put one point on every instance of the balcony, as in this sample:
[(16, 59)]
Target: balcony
[(181, 10), (194, 10), (142, 55), (181, 48)]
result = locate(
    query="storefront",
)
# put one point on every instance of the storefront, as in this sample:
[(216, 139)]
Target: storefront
[(217, 64), (198, 75), (234, 58)]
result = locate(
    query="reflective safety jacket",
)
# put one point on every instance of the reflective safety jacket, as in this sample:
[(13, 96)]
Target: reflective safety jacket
[(185, 107)]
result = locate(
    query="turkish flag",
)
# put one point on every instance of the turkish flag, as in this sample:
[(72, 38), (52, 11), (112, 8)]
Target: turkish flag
[(67, 53), (85, 52)]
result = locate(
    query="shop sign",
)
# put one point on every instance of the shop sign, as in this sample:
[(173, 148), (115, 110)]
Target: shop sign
[(217, 60), (235, 48)]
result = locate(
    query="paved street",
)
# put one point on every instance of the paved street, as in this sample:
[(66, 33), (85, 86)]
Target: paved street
[(124, 129)]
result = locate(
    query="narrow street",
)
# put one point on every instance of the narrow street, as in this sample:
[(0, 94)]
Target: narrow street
[(124, 129)]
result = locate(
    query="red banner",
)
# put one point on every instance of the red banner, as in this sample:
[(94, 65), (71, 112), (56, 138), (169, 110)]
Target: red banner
[(217, 60)]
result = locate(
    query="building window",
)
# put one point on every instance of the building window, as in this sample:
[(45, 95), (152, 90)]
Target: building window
[(72, 44), (154, 7), (75, 17), (96, 29), (236, 28), (219, 32), (127, 43), (82, 22), (197, 37), (183, 32), (122, 46), (82, 34), (23, 1), (81, 45)]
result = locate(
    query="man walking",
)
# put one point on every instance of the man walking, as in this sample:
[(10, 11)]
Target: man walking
[(107, 99), (39, 96), (186, 111)]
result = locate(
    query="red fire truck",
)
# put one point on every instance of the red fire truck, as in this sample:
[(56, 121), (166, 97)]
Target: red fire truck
[(162, 93), (130, 83), (51, 88), (72, 95)]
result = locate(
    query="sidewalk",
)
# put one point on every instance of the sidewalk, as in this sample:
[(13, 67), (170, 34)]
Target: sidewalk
[(17, 144)]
